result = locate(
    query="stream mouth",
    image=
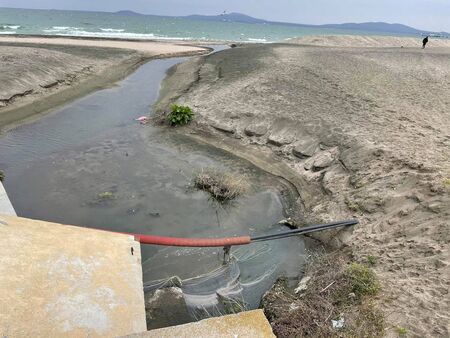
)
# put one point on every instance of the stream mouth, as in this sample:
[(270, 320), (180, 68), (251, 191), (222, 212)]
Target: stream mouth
[(90, 163)]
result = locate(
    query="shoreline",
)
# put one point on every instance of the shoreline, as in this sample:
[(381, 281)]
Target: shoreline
[(120, 60)]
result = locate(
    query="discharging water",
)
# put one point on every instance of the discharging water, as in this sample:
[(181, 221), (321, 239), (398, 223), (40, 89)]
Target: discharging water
[(89, 163)]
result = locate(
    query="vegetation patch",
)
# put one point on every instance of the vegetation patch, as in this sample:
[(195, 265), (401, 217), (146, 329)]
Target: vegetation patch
[(401, 331), (102, 198), (338, 291), (371, 260), (353, 206), (2, 176), (356, 281), (222, 186), (105, 196), (180, 115)]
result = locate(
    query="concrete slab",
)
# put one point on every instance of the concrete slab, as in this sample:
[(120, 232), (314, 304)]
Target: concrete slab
[(250, 324), (58, 280), (5, 204)]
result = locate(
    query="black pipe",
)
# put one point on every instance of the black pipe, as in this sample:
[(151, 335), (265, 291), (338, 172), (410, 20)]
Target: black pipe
[(307, 231), (304, 230)]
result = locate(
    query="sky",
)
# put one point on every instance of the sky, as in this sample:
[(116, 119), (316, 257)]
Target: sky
[(422, 14)]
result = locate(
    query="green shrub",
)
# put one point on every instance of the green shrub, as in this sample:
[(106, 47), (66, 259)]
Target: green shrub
[(372, 260), (362, 280), (2, 176), (401, 331), (180, 115)]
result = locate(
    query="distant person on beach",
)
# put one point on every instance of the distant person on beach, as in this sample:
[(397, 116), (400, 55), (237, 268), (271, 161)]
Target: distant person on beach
[(424, 41)]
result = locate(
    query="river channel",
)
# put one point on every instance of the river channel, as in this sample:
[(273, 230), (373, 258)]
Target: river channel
[(90, 163)]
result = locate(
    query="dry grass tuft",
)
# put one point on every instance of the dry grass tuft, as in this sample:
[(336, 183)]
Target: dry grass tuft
[(222, 186), (337, 289)]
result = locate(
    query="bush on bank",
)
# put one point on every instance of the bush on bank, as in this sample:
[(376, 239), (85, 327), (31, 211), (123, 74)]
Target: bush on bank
[(180, 115)]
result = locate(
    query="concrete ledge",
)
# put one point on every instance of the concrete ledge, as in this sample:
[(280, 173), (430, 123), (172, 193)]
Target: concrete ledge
[(64, 281), (6, 207), (245, 324)]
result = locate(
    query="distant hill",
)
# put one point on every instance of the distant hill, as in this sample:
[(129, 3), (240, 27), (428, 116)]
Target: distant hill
[(376, 27), (129, 13), (230, 17)]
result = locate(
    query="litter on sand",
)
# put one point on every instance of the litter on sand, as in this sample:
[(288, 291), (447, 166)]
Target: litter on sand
[(338, 324)]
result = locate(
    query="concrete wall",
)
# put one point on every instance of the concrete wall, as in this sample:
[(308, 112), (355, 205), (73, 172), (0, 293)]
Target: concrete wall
[(250, 324), (65, 281)]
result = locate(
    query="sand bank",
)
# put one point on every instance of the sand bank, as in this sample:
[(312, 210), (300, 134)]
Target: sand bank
[(151, 48), (360, 132), (368, 41), (39, 74)]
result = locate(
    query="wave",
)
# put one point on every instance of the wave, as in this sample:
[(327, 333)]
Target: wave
[(159, 37), (13, 27), (121, 34), (102, 34), (112, 30), (7, 32), (112, 34), (63, 28), (256, 40)]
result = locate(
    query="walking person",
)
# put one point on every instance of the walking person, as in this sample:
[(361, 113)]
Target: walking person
[(424, 41)]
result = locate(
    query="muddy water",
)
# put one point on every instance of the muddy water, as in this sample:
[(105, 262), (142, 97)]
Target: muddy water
[(59, 167)]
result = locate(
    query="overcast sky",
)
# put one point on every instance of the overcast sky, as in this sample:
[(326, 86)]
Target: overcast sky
[(423, 14)]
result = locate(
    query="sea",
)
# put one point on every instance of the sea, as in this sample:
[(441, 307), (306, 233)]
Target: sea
[(114, 25)]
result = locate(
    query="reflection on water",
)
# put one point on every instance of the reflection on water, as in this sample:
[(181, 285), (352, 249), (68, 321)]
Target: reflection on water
[(61, 167)]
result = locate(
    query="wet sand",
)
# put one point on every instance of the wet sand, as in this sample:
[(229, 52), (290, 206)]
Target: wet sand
[(360, 132), (39, 74)]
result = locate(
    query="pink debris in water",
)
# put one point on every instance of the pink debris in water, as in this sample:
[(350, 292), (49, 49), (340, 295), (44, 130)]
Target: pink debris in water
[(142, 119)]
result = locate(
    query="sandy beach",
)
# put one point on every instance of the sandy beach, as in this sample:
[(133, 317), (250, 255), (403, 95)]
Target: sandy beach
[(360, 126), (39, 74)]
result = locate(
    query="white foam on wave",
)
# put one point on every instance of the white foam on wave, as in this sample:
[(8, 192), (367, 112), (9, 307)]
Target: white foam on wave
[(6, 32), (112, 34), (256, 40), (113, 30), (157, 37), (106, 34), (13, 27), (62, 28)]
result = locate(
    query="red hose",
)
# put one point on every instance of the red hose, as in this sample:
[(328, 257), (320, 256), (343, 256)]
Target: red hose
[(192, 242)]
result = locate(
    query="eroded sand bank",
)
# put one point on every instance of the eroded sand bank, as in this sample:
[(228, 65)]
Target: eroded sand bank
[(361, 132), (41, 73)]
